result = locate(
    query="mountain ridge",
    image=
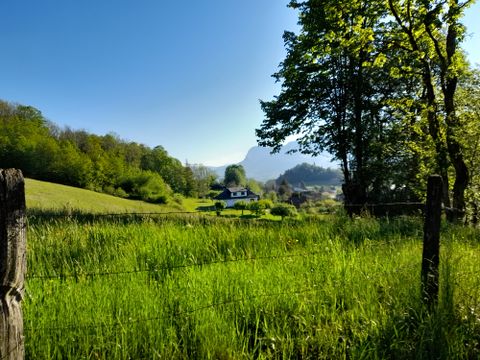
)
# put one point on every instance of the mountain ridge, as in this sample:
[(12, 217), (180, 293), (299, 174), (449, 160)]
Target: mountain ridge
[(261, 165)]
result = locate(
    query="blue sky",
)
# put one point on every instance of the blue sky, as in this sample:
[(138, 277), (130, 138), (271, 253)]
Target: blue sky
[(186, 75)]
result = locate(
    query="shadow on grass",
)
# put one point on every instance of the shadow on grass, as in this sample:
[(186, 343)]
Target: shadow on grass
[(205, 208)]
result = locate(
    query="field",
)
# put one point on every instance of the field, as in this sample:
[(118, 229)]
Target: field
[(45, 196), (198, 287)]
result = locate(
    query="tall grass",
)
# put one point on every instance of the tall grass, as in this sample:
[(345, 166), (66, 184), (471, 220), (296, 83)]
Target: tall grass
[(206, 288)]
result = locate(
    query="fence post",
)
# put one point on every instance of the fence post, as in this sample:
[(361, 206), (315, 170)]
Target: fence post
[(12, 263), (431, 240)]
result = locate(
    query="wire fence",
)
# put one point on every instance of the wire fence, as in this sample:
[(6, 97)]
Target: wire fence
[(158, 269), (414, 266), (115, 323)]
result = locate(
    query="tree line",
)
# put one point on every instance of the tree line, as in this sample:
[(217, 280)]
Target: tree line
[(385, 87), (308, 174), (106, 163)]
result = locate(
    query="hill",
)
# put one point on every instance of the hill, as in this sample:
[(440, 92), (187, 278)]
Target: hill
[(48, 196), (261, 165), (308, 174)]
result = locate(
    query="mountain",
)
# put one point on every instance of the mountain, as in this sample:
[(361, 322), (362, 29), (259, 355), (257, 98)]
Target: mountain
[(261, 165)]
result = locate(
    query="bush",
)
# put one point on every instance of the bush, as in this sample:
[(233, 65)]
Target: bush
[(219, 206), (240, 205), (283, 210), (259, 207), (147, 186)]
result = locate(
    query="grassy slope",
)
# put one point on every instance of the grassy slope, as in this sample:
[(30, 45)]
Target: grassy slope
[(49, 196)]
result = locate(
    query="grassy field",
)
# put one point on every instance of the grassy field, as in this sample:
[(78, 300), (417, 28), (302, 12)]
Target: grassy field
[(41, 195), (198, 287)]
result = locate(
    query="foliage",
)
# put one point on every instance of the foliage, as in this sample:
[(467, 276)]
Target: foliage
[(284, 190), (148, 186), (255, 186), (311, 175), (468, 106), (235, 176), (240, 205), (374, 84), (101, 163), (204, 179), (219, 206), (259, 207), (283, 210)]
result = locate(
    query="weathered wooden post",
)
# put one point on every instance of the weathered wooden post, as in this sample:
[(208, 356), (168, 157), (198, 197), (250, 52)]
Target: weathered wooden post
[(431, 240), (12, 263)]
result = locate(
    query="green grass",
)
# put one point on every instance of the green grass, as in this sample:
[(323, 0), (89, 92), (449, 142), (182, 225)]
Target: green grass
[(41, 195), (194, 287)]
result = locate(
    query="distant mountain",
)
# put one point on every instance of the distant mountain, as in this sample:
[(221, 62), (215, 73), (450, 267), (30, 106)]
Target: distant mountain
[(261, 165)]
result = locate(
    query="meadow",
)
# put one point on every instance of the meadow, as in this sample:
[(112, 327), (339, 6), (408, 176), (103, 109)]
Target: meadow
[(206, 287)]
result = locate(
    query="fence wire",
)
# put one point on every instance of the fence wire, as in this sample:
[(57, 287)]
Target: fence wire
[(117, 323), (168, 268)]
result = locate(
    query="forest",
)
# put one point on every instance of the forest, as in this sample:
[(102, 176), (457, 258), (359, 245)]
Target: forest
[(106, 163)]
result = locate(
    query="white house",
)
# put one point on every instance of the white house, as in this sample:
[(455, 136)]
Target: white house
[(234, 194)]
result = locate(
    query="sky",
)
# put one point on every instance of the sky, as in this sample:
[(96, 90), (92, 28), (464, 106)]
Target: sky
[(186, 75)]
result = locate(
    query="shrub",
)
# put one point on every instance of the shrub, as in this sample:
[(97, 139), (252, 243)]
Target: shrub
[(240, 205), (219, 206), (259, 207), (283, 210)]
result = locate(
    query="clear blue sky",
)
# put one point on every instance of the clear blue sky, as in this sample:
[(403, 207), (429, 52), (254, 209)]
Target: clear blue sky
[(186, 75)]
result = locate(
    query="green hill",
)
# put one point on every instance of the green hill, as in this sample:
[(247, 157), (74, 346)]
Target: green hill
[(43, 195)]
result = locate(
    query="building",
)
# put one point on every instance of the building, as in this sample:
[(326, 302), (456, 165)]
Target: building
[(233, 194)]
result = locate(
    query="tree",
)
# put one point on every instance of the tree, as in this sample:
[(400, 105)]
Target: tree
[(364, 78), (283, 210), (240, 205), (204, 178), (311, 175), (468, 107), (428, 33), (255, 186), (334, 91), (219, 206), (259, 207), (235, 176)]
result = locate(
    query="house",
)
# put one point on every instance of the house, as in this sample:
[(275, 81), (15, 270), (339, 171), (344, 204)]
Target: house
[(233, 194)]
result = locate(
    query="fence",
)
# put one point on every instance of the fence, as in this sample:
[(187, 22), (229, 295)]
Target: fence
[(13, 259)]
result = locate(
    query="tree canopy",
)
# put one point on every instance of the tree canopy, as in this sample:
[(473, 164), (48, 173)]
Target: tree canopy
[(101, 163), (235, 176), (374, 83), (309, 174)]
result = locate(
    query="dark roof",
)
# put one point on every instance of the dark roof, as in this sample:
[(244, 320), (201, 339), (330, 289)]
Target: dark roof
[(226, 194)]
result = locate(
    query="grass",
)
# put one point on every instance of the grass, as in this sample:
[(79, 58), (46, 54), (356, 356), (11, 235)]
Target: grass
[(204, 287), (41, 195)]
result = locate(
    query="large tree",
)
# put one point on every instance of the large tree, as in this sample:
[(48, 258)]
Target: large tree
[(428, 33), (334, 92), (360, 80), (468, 110), (235, 176)]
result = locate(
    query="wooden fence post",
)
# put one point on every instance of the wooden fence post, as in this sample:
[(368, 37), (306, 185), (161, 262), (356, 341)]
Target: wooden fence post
[(431, 240), (12, 263)]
